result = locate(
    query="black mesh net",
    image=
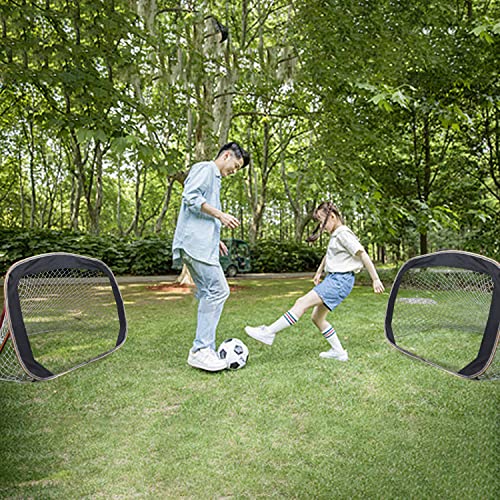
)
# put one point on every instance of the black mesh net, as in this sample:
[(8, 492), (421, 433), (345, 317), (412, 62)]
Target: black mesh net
[(70, 317), (440, 315), (10, 369)]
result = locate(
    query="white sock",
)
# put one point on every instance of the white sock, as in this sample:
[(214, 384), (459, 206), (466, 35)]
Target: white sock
[(331, 335), (288, 319)]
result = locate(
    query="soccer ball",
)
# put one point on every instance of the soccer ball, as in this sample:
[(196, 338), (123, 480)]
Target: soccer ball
[(235, 352)]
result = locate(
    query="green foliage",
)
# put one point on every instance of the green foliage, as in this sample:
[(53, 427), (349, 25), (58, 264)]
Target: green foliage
[(386, 274), (274, 256), (411, 124), (148, 256), (388, 108), (124, 256)]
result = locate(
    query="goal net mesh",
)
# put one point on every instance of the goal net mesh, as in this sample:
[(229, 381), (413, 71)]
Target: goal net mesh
[(70, 318), (440, 315)]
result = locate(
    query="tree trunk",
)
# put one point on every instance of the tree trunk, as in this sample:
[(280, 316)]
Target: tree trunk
[(119, 200), (166, 203), (79, 181), (302, 212), (185, 277), (30, 140), (423, 243), (21, 189), (99, 190), (94, 208), (256, 196), (76, 196), (426, 182), (134, 226)]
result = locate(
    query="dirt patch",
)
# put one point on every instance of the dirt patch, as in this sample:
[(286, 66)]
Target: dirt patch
[(172, 288), (178, 288)]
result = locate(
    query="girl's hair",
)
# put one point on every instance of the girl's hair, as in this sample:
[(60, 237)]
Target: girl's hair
[(326, 208)]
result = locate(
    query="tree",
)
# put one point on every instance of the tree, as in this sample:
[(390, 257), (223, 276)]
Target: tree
[(405, 142)]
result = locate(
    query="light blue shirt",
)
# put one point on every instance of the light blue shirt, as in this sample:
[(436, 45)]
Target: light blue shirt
[(197, 233)]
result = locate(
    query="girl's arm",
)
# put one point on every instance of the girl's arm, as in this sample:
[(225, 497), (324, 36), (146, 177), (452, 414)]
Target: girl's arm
[(378, 287), (319, 272)]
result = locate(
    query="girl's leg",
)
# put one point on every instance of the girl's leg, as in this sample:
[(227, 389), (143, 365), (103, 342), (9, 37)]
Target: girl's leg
[(310, 299), (266, 334), (318, 316), (319, 319), (291, 317)]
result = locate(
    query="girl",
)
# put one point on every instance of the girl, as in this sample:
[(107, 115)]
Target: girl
[(344, 257)]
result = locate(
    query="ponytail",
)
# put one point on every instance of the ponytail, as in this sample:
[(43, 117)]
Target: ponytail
[(326, 207)]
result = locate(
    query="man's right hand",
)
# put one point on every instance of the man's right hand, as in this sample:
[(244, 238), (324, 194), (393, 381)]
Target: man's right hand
[(229, 221)]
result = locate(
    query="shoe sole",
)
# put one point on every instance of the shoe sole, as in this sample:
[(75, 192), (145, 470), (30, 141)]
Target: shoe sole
[(203, 367), (257, 338), (333, 357)]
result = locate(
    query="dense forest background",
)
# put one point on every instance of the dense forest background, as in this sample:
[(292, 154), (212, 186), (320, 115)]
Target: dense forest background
[(388, 108)]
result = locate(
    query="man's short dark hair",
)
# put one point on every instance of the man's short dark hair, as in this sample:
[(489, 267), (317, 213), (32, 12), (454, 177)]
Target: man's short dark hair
[(238, 151)]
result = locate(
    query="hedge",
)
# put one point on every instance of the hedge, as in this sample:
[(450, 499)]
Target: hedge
[(147, 256)]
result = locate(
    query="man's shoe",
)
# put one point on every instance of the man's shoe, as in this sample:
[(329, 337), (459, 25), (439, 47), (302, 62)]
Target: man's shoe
[(334, 354), (260, 333), (206, 359)]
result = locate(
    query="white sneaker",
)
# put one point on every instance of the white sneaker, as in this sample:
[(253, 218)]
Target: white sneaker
[(260, 333), (334, 354), (206, 359)]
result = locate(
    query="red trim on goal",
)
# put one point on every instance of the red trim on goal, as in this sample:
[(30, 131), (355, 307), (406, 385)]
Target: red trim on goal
[(8, 333)]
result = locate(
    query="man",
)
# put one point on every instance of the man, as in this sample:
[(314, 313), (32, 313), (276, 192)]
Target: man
[(197, 244)]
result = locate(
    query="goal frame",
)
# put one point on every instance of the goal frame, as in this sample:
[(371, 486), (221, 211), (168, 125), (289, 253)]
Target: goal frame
[(466, 261), (12, 317)]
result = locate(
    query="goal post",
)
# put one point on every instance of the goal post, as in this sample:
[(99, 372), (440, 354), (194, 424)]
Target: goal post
[(62, 311), (444, 309)]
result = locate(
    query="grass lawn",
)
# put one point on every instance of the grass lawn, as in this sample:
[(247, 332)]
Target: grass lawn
[(143, 424)]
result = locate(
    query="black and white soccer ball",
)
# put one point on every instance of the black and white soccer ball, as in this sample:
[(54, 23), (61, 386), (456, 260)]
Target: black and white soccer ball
[(234, 352)]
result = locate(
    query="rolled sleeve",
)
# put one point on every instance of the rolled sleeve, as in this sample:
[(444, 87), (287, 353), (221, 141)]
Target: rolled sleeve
[(197, 233), (194, 188)]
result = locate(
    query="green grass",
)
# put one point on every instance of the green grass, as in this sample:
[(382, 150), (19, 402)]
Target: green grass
[(143, 424), (447, 329)]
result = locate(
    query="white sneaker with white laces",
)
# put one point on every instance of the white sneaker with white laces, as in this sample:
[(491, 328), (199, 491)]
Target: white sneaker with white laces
[(261, 333), (334, 354), (206, 359)]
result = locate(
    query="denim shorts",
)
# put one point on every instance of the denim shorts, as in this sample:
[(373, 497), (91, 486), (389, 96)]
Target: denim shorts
[(335, 288)]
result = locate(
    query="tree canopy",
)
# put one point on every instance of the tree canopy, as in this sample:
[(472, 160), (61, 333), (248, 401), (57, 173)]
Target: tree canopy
[(390, 109)]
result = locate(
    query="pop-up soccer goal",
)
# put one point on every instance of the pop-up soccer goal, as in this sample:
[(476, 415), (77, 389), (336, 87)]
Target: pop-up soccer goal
[(444, 309), (61, 312)]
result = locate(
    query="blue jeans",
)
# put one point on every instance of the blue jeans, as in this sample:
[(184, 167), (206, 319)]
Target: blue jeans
[(212, 292)]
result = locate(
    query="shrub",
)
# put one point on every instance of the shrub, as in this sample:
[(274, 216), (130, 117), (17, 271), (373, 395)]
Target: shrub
[(273, 256), (123, 256), (153, 255), (150, 256)]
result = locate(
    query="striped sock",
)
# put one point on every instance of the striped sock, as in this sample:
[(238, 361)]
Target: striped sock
[(331, 335), (288, 319)]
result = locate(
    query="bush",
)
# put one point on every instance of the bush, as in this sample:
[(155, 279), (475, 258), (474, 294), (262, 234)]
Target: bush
[(124, 256), (150, 256), (386, 275), (153, 255), (273, 256)]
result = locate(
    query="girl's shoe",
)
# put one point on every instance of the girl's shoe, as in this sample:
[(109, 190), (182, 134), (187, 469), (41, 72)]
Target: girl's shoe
[(260, 333), (334, 354)]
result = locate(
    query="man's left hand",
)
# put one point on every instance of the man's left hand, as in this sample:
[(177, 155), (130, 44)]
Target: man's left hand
[(223, 248)]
